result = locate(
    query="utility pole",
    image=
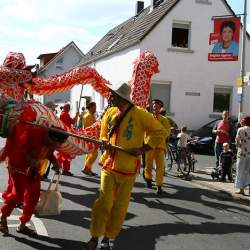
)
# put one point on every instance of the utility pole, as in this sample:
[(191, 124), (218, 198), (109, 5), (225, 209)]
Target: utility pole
[(243, 60)]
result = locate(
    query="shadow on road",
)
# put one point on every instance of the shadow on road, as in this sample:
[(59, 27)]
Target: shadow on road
[(44, 243), (78, 186), (157, 203), (146, 236)]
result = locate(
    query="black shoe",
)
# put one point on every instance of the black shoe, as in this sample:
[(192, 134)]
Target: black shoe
[(223, 180), (93, 173), (44, 178), (159, 190), (107, 244), (149, 183), (4, 227), (68, 173), (19, 205), (91, 244), (56, 170)]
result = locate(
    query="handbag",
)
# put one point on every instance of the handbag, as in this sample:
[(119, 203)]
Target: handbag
[(50, 202)]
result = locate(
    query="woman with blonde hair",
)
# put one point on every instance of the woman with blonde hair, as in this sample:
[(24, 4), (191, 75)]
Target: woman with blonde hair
[(243, 155)]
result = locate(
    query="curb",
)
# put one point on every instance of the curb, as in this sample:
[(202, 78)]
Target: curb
[(220, 192)]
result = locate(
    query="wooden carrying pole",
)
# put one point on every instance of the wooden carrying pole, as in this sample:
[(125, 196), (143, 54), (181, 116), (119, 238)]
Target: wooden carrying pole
[(100, 143)]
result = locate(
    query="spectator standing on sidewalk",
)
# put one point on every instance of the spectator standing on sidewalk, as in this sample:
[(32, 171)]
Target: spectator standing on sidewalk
[(88, 120), (224, 131), (64, 159), (123, 125), (243, 155), (226, 162)]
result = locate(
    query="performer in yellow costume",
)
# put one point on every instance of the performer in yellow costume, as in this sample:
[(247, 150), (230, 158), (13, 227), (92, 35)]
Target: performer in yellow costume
[(123, 125), (88, 120), (157, 154)]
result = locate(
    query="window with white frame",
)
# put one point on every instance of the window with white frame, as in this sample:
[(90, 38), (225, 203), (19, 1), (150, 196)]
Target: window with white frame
[(180, 35), (161, 91), (222, 98), (60, 63)]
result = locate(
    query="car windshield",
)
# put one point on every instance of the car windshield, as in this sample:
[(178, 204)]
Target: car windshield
[(211, 125)]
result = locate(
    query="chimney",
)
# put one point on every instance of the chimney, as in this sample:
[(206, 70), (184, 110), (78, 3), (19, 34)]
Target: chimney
[(139, 7), (155, 3)]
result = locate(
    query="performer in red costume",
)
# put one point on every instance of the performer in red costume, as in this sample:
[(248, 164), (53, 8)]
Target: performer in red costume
[(24, 151), (64, 159)]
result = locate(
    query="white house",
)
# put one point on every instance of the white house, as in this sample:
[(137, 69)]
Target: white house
[(194, 90), (57, 63)]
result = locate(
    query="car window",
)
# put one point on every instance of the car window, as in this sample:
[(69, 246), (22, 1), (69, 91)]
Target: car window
[(211, 125)]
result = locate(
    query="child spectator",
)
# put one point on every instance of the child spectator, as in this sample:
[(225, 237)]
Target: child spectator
[(226, 161), (183, 137)]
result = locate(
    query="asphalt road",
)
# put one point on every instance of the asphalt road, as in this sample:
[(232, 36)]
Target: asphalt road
[(184, 217)]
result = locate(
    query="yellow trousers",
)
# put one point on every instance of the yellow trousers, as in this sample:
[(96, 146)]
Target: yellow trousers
[(90, 159), (109, 210), (156, 155), (44, 166)]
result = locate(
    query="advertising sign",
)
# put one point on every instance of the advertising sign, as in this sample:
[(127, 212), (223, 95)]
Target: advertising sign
[(224, 42)]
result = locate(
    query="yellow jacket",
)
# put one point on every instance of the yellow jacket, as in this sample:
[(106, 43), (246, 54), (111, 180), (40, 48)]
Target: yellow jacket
[(167, 127), (88, 119), (130, 134)]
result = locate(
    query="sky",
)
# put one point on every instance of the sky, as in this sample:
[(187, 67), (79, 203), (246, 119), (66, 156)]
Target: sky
[(35, 27)]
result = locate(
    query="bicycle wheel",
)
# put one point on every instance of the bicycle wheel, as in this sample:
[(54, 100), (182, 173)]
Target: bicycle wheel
[(169, 161), (184, 163), (169, 158), (193, 161)]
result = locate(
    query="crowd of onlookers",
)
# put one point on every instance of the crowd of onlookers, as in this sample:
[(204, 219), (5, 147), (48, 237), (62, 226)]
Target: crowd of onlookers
[(231, 144)]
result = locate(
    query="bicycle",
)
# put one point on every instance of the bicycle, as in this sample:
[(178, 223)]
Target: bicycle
[(180, 160)]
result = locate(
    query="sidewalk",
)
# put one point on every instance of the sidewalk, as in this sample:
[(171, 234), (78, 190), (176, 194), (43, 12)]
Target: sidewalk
[(225, 189)]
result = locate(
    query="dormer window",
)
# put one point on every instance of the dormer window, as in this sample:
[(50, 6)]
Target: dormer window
[(59, 63), (180, 35)]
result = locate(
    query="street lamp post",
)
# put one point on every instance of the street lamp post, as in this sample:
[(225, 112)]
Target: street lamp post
[(243, 60)]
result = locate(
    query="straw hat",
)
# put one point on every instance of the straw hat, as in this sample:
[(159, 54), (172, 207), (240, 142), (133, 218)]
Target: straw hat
[(122, 89)]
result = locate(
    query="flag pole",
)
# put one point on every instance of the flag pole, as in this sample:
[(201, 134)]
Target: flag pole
[(243, 60), (79, 105)]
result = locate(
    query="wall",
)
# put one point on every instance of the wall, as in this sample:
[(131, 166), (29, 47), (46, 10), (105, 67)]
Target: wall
[(114, 68), (191, 71), (71, 58)]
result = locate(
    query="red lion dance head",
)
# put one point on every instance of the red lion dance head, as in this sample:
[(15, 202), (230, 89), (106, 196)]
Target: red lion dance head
[(13, 75)]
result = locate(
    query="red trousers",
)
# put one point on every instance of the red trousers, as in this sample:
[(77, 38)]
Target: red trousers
[(64, 160), (24, 188), (8, 190)]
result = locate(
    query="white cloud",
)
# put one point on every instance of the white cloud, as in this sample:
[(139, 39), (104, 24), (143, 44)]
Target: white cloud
[(49, 38), (34, 27)]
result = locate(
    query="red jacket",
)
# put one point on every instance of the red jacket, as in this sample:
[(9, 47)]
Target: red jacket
[(66, 119)]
